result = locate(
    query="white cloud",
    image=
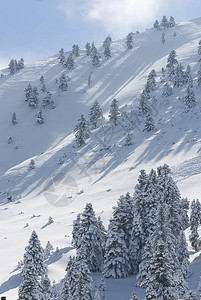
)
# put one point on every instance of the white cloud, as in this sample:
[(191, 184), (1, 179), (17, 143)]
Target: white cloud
[(117, 16)]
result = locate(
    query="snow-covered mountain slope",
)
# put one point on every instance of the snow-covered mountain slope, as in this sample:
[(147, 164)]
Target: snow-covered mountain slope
[(105, 168)]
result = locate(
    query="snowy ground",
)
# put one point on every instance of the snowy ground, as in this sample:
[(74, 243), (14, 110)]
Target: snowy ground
[(103, 174)]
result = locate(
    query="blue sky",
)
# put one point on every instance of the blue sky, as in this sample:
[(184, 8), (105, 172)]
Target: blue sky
[(36, 29)]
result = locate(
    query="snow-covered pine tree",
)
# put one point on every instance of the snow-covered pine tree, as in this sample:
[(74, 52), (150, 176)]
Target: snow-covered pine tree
[(189, 98), (129, 41), (199, 50), (134, 296), (190, 295), (96, 59), (199, 76), (151, 82), (40, 118), (187, 75), (81, 131), (14, 119), (32, 164), (61, 56), (88, 49), (45, 287), (48, 249), (76, 239), (116, 261), (107, 52), (163, 38), (71, 275), (76, 50), (157, 25), (12, 66), (28, 92), (143, 105), (107, 41), (114, 112), (95, 115), (91, 243), (52, 104), (34, 252), (194, 223), (164, 22), (29, 288), (149, 121), (171, 64), (128, 139), (161, 280), (33, 99), (47, 99), (171, 22), (66, 293), (55, 293), (63, 85), (42, 79), (84, 283), (167, 90), (20, 64), (184, 207), (180, 77), (69, 63), (162, 78)]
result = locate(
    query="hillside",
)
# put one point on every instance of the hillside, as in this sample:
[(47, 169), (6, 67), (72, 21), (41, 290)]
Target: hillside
[(105, 168)]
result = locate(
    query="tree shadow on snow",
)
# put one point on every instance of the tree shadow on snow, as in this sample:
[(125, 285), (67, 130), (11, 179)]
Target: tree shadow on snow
[(12, 283)]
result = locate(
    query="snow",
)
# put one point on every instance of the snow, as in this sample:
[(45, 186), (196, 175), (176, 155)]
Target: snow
[(102, 174)]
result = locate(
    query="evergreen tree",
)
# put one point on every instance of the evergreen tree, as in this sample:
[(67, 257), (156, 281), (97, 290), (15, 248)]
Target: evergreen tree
[(91, 244), (102, 288), (76, 238), (69, 63), (134, 297), (95, 115), (187, 75), (81, 132), (107, 41), (88, 49), (114, 112), (163, 38), (167, 90), (149, 122), (129, 40), (33, 99), (46, 288), (28, 92), (34, 252), (29, 288), (164, 22), (89, 79), (184, 207), (20, 64), (199, 76), (42, 79), (162, 78), (55, 293), (157, 25), (128, 139), (95, 58), (14, 119), (48, 249), (143, 105), (75, 50), (12, 66), (151, 82), (61, 56), (171, 22), (189, 98), (199, 50), (180, 77), (32, 164), (194, 223), (71, 275), (40, 118), (171, 64), (47, 99), (66, 293), (83, 287), (107, 52), (190, 296), (63, 85)]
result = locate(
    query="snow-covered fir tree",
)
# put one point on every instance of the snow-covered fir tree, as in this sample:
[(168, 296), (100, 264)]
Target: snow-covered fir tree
[(66, 293), (149, 121), (128, 139), (95, 56), (55, 292), (20, 64), (199, 50), (33, 99), (28, 92), (167, 91), (163, 38), (164, 22), (157, 25), (134, 296), (171, 64), (34, 252), (199, 76), (46, 288), (69, 63), (76, 235), (189, 98), (180, 77), (151, 82), (91, 240), (114, 112), (129, 41), (61, 56), (184, 205), (75, 50), (106, 46), (47, 99), (14, 119), (81, 131), (40, 118), (188, 76), (194, 223), (84, 283), (12, 66), (171, 22), (29, 288), (47, 250), (63, 85), (88, 49), (95, 115), (162, 78), (32, 164), (143, 105)]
